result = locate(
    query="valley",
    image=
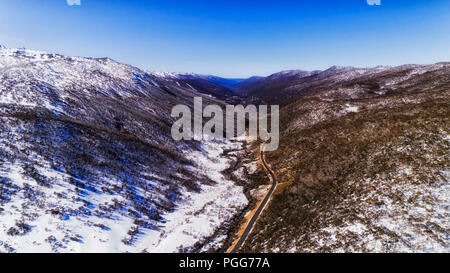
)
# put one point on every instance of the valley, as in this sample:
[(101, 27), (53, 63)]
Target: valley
[(88, 163)]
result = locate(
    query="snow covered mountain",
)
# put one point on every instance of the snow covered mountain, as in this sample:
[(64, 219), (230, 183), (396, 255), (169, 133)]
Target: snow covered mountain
[(207, 84), (363, 161), (87, 162)]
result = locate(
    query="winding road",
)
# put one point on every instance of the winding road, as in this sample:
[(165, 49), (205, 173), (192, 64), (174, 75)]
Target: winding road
[(260, 209)]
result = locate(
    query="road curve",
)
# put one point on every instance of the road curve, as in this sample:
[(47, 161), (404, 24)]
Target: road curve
[(261, 207)]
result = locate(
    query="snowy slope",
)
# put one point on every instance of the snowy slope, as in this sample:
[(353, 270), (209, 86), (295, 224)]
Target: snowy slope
[(87, 162)]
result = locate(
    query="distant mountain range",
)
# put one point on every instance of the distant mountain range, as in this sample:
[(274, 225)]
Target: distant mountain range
[(363, 162)]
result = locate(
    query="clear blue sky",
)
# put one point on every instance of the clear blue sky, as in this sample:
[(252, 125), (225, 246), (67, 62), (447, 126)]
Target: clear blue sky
[(233, 38)]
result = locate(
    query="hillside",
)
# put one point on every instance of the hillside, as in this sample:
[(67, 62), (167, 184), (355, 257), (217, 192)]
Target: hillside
[(347, 83), (87, 162), (214, 86), (363, 162)]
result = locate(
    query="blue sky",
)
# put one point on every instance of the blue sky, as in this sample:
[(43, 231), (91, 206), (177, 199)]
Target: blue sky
[(233, 38)]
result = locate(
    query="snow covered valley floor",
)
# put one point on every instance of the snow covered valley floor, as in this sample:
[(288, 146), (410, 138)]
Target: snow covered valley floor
[(38, 218)]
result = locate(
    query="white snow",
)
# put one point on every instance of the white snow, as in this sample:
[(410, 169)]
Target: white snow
[(196, 216), (191, 87)]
